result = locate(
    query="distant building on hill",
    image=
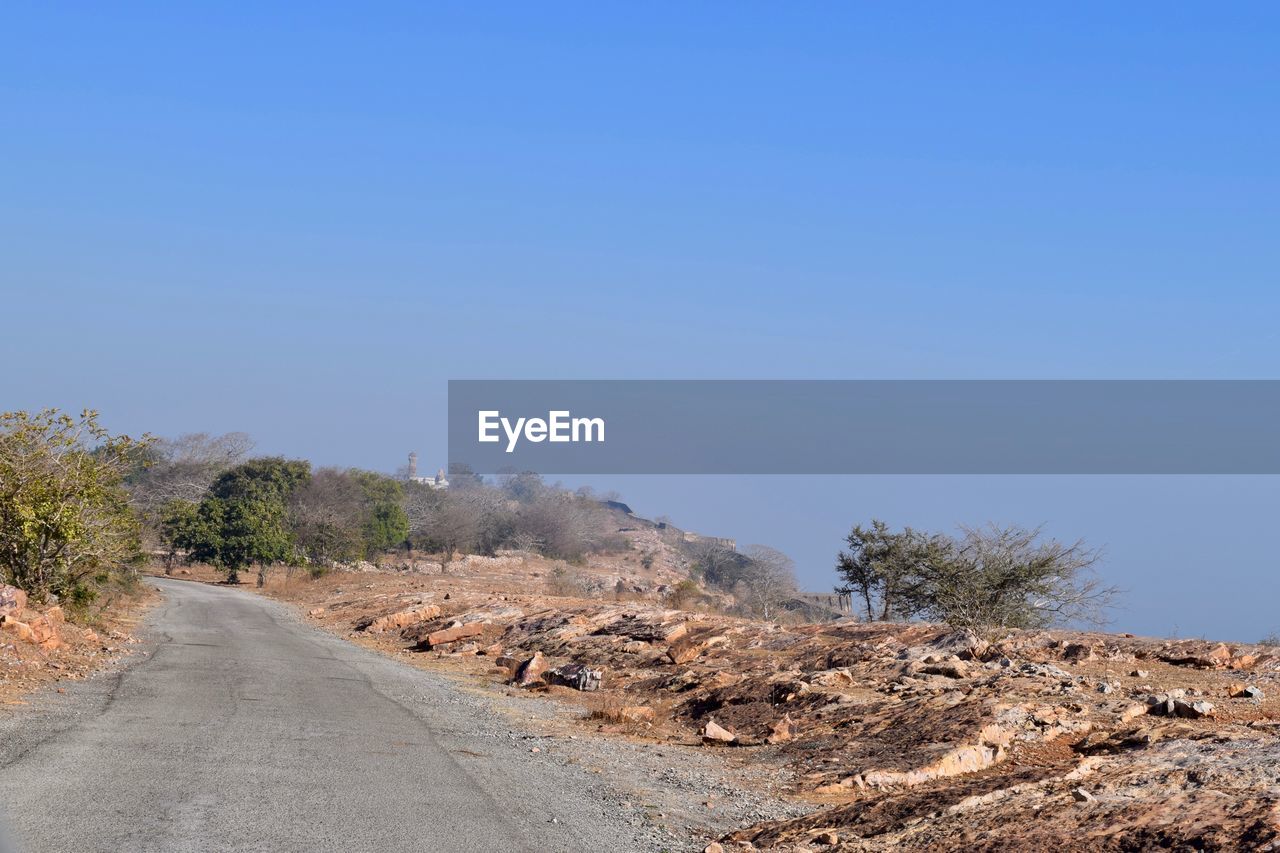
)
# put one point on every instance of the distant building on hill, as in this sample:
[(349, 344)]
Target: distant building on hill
[(436, 482), (696, 538)]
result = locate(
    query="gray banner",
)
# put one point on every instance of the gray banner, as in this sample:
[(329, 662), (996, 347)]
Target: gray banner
[(865, 426)]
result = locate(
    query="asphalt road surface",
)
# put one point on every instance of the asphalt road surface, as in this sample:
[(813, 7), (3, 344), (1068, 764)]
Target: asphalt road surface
[(240, 728)]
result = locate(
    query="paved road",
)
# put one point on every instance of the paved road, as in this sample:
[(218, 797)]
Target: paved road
[(244, 729)]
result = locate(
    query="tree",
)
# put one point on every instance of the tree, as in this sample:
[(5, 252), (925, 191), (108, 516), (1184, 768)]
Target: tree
[(445, 521), (993, 579), (181, 469), (65, 520), (243, 518), (881, 567), (325, 518), (562, 523), (716, 564), (178, 518), (767, 581), (383, 523)]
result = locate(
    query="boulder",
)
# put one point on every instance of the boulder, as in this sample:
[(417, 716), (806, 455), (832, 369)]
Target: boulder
[(21, 630), (12, 599), (949, 668), (714, 733), (1246, 691), (397, 621), (575, 675), (446, 636), (1219, 657), (1244, 661), (45, 632), (1192, 710), (1078, 652), (531, 671), (783, 730)]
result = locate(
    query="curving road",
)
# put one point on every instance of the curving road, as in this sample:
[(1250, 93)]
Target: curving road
[(244, 729)]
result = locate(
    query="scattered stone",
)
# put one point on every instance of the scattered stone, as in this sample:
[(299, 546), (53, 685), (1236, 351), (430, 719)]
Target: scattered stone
[(783, 730), (1191, 710), (1139, 673), (714, 733), (827, 839), (1245, 691), (1080, 795)]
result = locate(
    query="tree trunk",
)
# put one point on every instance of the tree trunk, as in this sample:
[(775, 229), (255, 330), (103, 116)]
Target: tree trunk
[(262, 575)]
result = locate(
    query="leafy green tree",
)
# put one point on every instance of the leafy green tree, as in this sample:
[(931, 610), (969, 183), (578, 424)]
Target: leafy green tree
[(178, 518), (882, 567), (243, 519), (384, 524), (385, 527), (65, 520)]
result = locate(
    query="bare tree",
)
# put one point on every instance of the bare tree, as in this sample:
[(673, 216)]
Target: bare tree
[(181, 469), (717, 564), (565, 525), (447, 521), (767, 580), (325, 515)]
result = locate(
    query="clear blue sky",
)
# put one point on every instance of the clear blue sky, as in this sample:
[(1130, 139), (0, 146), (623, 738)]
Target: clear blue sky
[(299, 220)]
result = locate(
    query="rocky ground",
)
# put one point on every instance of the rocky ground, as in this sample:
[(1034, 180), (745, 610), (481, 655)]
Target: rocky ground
[(39, 646), (866, 736)]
